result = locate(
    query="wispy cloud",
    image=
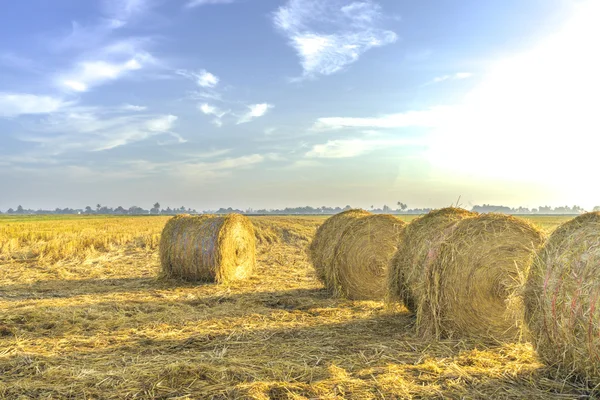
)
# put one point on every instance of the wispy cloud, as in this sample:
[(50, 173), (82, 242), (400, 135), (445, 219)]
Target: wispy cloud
[(196, 169), (426, 118), (454, 77), (15, 104), (347, 148), (197, 3), (330, 35), (256, 111), (97, 131), (88, 74), (203, 78), (207, 80), (133, 107), (215, 111)]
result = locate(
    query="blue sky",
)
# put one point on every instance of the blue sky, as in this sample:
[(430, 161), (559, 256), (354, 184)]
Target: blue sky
[(269, 103)]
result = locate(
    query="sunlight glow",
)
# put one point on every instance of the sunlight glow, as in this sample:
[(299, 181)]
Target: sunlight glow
[(535, 116)]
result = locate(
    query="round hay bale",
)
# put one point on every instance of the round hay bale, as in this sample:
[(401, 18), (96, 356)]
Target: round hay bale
[(562, 307), (208, 248), (476, 277), (410, 269), (362, 257), (322, 247)]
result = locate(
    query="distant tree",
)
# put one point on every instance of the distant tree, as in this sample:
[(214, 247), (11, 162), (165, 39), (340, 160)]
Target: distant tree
[(10, 211), (371, 206), (120, 210), (402, 206), (156, 208), (182, 209), (98, 206), (88, 209), (20, 210), (386, 208)]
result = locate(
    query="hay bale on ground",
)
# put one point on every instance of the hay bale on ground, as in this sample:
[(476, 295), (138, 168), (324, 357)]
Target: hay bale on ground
[(476, 277), (208, 248), (322, 247), (362, 257), (562, 294), (410, 269)]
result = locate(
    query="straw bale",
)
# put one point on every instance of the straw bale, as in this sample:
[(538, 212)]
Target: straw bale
[(208, 248), (562, 296), (410, 268), (362, 257), (322, 247), (476, 278)]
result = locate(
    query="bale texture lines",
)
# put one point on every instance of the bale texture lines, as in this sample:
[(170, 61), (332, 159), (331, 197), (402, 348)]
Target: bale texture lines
[(562, 295), (351, 253), (477, 278), (208, 248), (410, 272), (322, 248)]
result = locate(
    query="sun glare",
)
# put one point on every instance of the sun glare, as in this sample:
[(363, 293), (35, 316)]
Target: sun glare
[(534, 116)]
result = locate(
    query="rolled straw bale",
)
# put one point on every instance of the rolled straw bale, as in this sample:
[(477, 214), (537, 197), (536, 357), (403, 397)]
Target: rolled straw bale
[(476, 278), (362, 257), (322, 247), (410, 268), (208, 248), (562, 298)]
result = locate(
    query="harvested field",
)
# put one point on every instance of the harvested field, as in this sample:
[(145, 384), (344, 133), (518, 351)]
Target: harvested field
[(84, 316)]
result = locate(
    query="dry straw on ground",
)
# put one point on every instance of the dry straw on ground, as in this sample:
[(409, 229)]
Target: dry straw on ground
[(208, 248), (476, 277), (410, 269), (362, 256), (322, 247), (103, 327), (562, 296)]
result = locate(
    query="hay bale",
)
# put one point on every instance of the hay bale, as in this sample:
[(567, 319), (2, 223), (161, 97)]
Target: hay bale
[(562, 294), (362, 257), (322, 247), (410, 269), (208, 248), (476, 277)]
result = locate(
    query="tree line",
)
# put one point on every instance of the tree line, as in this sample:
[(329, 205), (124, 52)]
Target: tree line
[(401, 208)]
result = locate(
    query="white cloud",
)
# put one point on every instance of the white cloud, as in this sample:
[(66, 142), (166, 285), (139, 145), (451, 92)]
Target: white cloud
[(256, 110), (347, 148), (92, 73), (161, 124), (207, 80), (456, 76), (203, 78), (329, 36), (197, 3), (97, 131), (433, 117), (133, 107), (212, 110), (15, 104)]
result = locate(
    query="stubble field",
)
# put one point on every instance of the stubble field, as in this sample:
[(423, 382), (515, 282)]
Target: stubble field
[(83, 314)]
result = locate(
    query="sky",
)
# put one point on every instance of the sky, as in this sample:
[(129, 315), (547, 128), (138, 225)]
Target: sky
[(277, 103)]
